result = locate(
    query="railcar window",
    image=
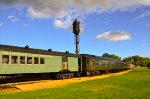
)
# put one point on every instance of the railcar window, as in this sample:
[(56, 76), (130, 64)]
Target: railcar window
[(108, 64), (103, 63), (5, 59), (29, 60), (96, 63), (36, 60), (14, 59), (91, 63), (100, 63), (22, 60), (64, 63), (42, 61)]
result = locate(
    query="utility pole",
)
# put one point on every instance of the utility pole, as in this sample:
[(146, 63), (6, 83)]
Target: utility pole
[(76, 30)]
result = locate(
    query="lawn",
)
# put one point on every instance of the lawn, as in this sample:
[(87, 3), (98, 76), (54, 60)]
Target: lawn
[(133, 85)]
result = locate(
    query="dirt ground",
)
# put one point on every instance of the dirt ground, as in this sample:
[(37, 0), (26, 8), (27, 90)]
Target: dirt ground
[(34, 85)]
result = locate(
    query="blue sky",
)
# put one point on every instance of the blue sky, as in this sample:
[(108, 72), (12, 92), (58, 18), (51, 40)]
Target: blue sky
[(118, 27)]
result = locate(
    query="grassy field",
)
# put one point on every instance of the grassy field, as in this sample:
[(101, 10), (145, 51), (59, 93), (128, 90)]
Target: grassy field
[(133, 85)]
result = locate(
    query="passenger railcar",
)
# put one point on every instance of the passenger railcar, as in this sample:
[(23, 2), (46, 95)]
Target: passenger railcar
[(24, 60), (94, 65)]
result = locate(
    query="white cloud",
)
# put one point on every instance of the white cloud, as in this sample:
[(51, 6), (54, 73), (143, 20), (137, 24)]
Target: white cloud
[(61, 10), (145, 14), (13, 18), (127, 4), (58, 23), (114, 36), (66, 24)]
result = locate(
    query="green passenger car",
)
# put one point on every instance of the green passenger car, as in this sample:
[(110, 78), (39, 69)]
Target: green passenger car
[(20, 60), (92, 65)]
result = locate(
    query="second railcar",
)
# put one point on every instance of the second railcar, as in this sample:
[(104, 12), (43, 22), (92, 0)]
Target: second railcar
[(92, 65)]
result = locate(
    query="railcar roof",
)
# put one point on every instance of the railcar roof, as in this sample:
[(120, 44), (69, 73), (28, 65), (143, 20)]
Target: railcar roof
[(99, 57), (34, 51)]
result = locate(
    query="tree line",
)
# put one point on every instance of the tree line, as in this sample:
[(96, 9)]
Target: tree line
[(135, 60)]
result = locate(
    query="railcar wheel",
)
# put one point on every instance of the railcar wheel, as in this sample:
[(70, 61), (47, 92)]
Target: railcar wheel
[(77, 74), (57, 76), (97, 72), (92, 73)]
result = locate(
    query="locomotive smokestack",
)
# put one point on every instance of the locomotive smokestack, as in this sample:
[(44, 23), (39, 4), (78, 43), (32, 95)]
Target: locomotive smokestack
[(76, 30)]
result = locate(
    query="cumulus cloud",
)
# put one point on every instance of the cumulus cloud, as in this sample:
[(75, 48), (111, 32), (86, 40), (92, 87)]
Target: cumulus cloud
[(60, 10), (13, 18), (65, 24), (114, 36), (58, 23)]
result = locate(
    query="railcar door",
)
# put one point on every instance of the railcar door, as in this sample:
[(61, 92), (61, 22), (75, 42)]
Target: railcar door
[(64, 63), (79, 64)]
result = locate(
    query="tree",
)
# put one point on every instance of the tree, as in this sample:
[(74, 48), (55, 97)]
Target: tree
[(128, 60), (138, 61), (111, 56)]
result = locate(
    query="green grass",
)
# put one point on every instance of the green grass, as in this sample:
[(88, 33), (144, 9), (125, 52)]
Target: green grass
[(133, 85)]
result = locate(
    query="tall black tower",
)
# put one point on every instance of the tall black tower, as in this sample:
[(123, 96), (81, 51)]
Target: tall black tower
[(76, 30)]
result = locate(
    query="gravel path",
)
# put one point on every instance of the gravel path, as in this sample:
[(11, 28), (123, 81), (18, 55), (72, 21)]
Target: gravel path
[(59, 83)]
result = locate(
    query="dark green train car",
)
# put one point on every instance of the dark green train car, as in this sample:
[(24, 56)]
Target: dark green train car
[(91, 64), (25, 60)]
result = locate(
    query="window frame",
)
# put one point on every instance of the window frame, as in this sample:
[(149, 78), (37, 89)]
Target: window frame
[(24, 57), (15, 61), (29, 58), (42, 60), (37, 61), (7, 58)]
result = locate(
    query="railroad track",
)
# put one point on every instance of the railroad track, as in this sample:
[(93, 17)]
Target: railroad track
[(12, 80)]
